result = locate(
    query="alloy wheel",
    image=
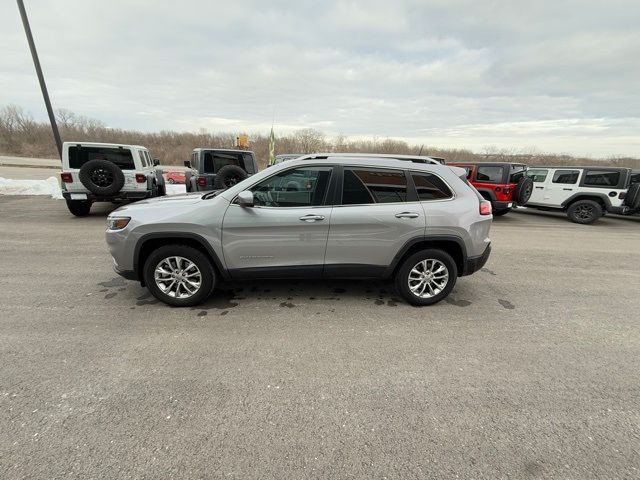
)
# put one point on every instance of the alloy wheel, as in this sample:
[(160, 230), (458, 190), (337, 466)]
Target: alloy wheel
[(428, 278), (178, 277)]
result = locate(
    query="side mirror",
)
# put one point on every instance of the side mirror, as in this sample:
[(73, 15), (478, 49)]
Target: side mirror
[(156, 162), (187, 163), (245, 199)]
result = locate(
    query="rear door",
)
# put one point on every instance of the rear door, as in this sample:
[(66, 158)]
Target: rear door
[(376, 215), (285, 232)]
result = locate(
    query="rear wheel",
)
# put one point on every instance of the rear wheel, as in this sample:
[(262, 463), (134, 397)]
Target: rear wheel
[(426, 277), (584, 211), (80, 208), (179, 275)]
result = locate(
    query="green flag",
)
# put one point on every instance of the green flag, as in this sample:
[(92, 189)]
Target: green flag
[(272, 147)]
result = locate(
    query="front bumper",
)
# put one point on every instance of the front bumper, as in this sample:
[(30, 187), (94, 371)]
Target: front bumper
[(473, 264), (128, 274)]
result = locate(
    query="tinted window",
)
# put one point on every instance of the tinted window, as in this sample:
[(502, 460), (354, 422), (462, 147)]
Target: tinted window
[(601, 178), (565, 176), (430, 187), (122, 157), (489, 174), (517, 172), (248, 163), (214, 161), (537, 175), (302, 187), (373, 186)]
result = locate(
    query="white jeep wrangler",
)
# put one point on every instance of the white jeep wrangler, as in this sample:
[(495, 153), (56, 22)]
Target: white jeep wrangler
[(584, 193), (107, 172)]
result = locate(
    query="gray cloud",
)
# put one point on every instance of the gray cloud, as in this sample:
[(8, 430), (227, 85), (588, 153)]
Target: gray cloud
[(556, 75)]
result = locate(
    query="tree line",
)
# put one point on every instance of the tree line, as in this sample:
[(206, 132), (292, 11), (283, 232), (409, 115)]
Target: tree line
[(21, 135)]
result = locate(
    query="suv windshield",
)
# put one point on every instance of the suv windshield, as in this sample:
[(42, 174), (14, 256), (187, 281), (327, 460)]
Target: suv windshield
[(122, 157)]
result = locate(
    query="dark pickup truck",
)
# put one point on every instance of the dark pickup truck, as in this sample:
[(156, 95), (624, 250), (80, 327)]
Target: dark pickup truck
[(218, 169)]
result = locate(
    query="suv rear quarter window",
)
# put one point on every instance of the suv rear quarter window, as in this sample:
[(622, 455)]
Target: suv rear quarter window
[(491, 174), (122, 157), (600, 178), (430, 187), (362, 186)]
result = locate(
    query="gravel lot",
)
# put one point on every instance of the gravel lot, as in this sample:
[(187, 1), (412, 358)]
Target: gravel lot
[(530, 370)]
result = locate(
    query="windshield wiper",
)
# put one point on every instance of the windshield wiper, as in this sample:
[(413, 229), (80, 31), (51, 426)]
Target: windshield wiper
[(212, 194)]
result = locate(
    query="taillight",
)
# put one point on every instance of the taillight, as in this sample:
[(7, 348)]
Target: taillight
[(141, 178), (485, 208), (66, 177), (201, 181)]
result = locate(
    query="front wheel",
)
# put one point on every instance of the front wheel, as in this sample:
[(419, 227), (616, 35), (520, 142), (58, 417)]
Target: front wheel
[(584, 211), (179, 275), (426, 277), (80, 208)]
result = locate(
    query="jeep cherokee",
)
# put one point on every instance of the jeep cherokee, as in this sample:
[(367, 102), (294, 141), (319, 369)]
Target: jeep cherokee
[(418, 223)]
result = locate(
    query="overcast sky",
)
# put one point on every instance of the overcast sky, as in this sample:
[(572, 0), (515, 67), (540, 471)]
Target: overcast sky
[(559, 76)]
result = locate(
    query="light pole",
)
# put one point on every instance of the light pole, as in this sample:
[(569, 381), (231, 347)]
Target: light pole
[(43, 85)]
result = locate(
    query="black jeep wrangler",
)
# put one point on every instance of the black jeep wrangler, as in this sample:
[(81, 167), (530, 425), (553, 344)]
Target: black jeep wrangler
[(218, 169)]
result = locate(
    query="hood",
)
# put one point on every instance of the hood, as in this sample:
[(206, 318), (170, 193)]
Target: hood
[(159, 203)]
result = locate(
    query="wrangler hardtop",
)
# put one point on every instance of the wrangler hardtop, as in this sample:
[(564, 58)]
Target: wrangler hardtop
[(584, 193), (107, 172), (218, 168)]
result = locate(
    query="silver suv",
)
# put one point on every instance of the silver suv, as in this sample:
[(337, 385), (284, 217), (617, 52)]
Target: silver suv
[(421, 224)]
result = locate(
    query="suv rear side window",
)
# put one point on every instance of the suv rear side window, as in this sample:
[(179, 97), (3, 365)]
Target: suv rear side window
[(122, 157), (214, 161), (373, 186), (595, 178), (517, 172), (300, 187), (430, 187), (565, 176), (489, 174)]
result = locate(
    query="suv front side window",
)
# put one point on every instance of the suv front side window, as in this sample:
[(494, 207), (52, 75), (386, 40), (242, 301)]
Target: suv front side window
[(538, 175), (489, 174), (300, 187), (568, 177), (362, 186)]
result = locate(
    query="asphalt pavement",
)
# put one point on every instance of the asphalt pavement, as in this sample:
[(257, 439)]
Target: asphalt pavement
[(529, 370)]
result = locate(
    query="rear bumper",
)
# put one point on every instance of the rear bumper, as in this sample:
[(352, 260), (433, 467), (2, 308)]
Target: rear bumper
[(110, 198), (473, 264), (623, 210), (502, 205)]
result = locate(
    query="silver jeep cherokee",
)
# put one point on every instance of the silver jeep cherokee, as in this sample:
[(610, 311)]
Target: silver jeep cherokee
[(335, 217)]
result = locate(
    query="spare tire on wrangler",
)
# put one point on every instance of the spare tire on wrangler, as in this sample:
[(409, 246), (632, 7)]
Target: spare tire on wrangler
[(102, 177), (228, 176), (524, 190), (632, 197)]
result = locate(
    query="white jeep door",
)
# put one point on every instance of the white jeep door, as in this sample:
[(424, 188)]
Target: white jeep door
[(562, 185), (541, 178)]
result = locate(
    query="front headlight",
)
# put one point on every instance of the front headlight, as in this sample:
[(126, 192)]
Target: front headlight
[(117, 223)]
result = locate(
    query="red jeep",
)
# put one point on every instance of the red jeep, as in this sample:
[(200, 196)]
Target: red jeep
[(504, 184)]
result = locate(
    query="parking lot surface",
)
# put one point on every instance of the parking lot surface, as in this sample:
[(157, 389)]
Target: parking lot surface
[(529, 370)]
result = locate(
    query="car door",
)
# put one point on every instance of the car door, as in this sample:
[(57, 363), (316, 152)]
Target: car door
[(540, 176), (285, 232), (375, 217), (564, 183)]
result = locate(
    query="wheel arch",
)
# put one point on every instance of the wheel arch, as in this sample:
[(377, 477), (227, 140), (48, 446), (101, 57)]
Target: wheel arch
[(151, 241), (453, 245), (601, 198)]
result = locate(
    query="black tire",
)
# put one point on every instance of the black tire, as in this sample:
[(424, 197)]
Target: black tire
[(632, 197), (402, 276), (228, 176), (162, 190), (524, 190), (102, 177), (202, 262), (499, 213), (584, 211), (80, 208)]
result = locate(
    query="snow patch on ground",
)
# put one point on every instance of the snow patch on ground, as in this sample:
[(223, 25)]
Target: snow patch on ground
[(50, 187)]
